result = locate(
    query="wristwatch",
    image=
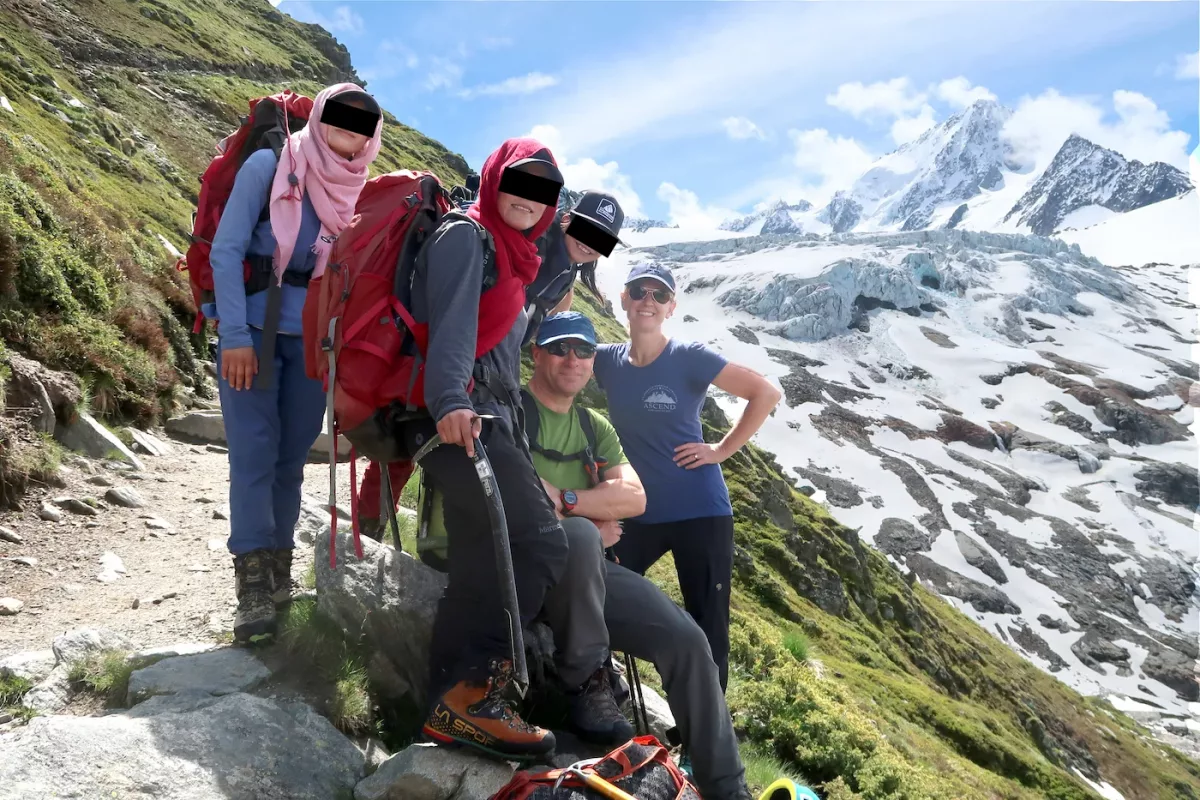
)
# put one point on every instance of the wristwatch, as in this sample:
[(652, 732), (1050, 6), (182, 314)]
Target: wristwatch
[(569, 499)]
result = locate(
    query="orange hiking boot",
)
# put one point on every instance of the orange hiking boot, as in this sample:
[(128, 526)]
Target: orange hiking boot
[(480, 715)]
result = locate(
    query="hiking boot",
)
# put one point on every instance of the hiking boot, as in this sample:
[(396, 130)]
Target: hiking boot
[(481, 715), (253, 583), (593, 713), (371, 527), (281, 576)]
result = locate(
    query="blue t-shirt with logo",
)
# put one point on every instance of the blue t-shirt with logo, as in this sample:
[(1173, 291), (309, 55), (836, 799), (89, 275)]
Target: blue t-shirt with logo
[(655, 409)]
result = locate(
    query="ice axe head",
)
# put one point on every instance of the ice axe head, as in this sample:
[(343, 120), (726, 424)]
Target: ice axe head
[(593, 781)]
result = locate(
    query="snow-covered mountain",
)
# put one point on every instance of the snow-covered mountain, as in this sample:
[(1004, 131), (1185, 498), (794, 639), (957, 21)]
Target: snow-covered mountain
[(962, 174), (949, 164), (1002, 415), (1084, 176), (781, 217)]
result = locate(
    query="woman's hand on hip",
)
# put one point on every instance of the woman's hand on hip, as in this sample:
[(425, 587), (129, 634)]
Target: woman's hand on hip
[(239, 365), (696, 454)]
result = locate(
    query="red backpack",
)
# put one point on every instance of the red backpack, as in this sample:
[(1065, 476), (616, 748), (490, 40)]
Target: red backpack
[(360, 340), (268, 124), (641, 768)]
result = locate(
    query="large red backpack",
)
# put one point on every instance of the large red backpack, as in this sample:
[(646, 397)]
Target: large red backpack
[(268, 124), (360, 338)]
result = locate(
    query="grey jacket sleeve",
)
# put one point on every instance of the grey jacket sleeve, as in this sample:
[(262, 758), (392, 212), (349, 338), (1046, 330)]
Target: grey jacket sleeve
[(453, 282)]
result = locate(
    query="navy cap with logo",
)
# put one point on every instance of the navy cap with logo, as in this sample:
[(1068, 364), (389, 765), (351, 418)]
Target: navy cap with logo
[(603, 210), (654, 272), (565, 325)]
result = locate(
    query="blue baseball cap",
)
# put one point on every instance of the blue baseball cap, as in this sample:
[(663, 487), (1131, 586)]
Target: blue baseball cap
[(567, 325), (654, 272)]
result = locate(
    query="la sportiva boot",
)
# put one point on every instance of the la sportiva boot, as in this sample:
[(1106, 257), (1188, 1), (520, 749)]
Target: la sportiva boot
[(479, 714), (254, 585), (281, 576), (593, 712)]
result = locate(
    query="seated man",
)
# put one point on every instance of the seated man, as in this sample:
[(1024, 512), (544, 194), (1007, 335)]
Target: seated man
[(640, 619)]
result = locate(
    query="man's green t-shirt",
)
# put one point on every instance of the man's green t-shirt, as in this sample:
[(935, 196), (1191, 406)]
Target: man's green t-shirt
[(559, 432)]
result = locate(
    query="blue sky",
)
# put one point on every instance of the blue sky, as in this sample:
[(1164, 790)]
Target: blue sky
[(688, 111)]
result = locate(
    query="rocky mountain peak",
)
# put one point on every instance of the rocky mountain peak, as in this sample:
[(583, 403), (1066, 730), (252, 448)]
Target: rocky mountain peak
[(1082, 173)]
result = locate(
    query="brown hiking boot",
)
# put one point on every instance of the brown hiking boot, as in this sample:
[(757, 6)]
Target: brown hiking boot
[(281, 576), (253, 583), (593, 712), (480, 715)]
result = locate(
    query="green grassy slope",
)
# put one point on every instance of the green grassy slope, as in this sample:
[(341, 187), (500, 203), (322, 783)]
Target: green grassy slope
[(900, 695), (116, 107)]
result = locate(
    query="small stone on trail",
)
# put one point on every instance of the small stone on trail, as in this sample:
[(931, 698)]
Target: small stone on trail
[(199, 568), (136, 603), (216, 545), (99, 480), (111, 568), (75, 506), (10, 606), (50, 513), (10, 536), (25, 561), (156, 524), (221, 511), (216, 448), (124, 497), (166, 596)]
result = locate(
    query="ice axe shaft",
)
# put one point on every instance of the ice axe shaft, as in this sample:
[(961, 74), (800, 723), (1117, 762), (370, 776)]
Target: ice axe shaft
[(504, 566), (593, 781)]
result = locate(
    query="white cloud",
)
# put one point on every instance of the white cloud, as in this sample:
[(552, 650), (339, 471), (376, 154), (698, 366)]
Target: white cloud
[(587, 173), (906, 129), (392, 58), (885, 98), (828, 161), (523, 84), (343, 19), (742, 128), (443, 74), (685, 209), (1187, 66), (1140, 131), (960, 93)]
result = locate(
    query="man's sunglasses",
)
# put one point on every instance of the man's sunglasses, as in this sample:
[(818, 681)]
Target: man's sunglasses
[(661, 296), (560, 348)]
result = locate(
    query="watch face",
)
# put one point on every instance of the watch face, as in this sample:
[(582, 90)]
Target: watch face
[(569, 496)]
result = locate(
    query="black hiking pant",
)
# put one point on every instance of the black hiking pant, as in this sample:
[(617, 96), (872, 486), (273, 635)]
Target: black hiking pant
[(703, 552), (470, 627)]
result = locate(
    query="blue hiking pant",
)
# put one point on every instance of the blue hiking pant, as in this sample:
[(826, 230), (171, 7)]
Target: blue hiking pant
[(269, 433)]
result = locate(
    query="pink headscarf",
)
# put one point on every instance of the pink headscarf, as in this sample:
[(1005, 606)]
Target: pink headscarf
[(332, 182)]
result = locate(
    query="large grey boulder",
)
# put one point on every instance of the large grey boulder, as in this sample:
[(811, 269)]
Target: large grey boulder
[(428, 772), (183, 747), (88, 436), (53, 690), (31, 666), (389, 598), (218, 672)]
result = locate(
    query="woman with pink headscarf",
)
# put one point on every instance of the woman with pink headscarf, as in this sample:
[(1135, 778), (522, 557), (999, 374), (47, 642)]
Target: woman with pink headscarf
[(282, 217)]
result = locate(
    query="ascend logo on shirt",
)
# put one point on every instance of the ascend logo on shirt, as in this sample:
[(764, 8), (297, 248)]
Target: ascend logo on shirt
[(659, 398)]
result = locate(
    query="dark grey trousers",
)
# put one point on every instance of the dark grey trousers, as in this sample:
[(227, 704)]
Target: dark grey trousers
[(598, 604)]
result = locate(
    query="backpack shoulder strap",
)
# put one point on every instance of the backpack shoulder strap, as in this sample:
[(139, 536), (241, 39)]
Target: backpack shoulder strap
[(532, 419), (585, 424), (485, 237)]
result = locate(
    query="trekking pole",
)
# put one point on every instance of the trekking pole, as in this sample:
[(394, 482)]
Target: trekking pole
[(385, 501), (635, 691), (504, 567)]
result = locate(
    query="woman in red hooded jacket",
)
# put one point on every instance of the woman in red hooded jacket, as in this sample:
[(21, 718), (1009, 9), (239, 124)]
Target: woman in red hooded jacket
[(469, 286)]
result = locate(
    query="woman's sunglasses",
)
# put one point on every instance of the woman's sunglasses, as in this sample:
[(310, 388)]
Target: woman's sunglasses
[(561, 347), (661, 296)]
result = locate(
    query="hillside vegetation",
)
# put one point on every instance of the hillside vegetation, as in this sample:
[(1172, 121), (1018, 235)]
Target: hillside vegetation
[(870, 685)]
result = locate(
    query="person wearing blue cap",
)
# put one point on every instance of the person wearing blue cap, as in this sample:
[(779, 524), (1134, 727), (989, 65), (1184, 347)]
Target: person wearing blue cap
[(656, 387), (599, 604)]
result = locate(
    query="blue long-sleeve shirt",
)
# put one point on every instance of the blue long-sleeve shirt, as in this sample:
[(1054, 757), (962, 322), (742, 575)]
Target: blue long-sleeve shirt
[(240, 235)]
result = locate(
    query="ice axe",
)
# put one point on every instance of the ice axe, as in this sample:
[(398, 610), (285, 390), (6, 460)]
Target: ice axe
[(504, 567), (592, 780)]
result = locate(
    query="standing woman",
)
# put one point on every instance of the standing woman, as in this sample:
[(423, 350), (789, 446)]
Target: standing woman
[(656, 388), (272, 409)]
